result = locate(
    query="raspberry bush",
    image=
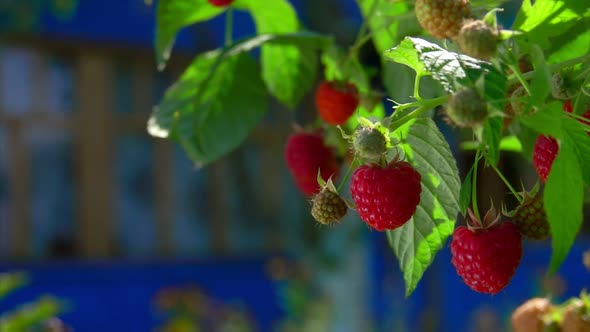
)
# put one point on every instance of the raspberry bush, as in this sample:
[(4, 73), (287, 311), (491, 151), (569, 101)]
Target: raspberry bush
[(405, 179)]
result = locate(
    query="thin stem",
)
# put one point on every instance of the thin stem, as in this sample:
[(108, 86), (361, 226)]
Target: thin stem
[(522, 80), (228, 26), (345, 178), (361, 36), (514, 192), (569, 63), (417, 86), (360, 42), (426, 105), (474, 184), (553, 68)]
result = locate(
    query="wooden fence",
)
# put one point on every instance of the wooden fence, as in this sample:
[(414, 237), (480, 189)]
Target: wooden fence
[(94, 128)]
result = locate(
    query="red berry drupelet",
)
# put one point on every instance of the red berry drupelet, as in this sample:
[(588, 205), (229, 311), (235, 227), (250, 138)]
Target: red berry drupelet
[(546, 148), (544, 153), (220, 3), (336, 102), (386, 197), (486, 257), (305, 153)]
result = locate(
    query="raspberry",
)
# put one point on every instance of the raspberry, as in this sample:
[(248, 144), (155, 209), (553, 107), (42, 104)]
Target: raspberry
[(544, 154), (327, 206), (386, 197), (546, 147), (220, 3), (524, 65), (370, 142), (568, 106), (517, 104), (563, 87), (528, 317), (466, 108), (442, 18), (486, 256), (336, 103), (576, 317), (530, 218), (305, 153), (478, 39)]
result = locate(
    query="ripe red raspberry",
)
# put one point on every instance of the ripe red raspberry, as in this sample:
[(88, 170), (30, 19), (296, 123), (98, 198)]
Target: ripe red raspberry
[(546, 148), (386, 197), (544, 153), (220, 3), (486, 256), (305, 153), (336, 103), (442, 18)]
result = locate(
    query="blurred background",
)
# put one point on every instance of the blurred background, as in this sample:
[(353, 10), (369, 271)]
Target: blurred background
[(109, 229)]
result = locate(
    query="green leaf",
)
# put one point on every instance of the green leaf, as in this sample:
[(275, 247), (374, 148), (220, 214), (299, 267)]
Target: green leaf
[(508, 143), (577, 44), (405, 53), (527, 136), (445, 67), (214, 105), (563, 199), (340, 67), (288, 71), (576, 137), (548, 18), (173, 15), (388, 21), (546, 120), (465, 193), (10, 282), (492, 133), (31, 315), (416, 243), (377, 113), (541, 81)]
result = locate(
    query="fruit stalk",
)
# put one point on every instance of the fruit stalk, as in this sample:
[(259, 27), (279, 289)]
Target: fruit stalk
[(507, 183), (229, 27), (362, 36), (347, 175), (521, 78), (553, 68), (474, 184), (425, 105)]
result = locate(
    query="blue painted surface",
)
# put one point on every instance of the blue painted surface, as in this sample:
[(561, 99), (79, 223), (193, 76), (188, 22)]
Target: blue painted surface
[(118, 296)]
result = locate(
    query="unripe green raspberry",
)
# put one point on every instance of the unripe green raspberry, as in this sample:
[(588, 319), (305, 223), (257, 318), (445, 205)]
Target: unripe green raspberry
[(517, 102), (466, 108), (369, 143), (478, 39), (442, 18), (328, 207), (530, 218), (562, 87)]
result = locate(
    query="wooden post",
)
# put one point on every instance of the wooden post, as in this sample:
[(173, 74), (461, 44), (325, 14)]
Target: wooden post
[(19, 157), (143, 91), (220, 212), (94, 155)]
